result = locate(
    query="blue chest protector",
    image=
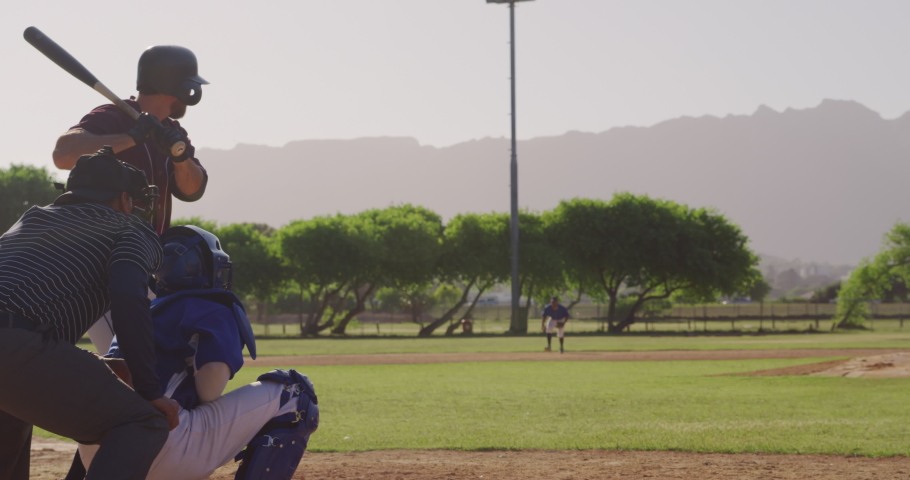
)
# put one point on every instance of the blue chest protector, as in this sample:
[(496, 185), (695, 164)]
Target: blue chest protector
[(204, 325)]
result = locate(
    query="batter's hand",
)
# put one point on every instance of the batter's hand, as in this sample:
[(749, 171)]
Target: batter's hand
[(118, 366), (170, 408), (166, 137), (145, 127)]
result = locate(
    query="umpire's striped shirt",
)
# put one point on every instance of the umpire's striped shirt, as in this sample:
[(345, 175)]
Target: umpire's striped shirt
[(54, 263)]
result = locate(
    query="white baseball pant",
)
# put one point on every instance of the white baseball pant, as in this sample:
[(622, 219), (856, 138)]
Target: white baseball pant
[(212, 434), (560, 332)]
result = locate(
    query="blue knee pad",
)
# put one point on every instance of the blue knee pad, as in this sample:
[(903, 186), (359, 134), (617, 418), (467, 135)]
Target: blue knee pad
[(276, 450)]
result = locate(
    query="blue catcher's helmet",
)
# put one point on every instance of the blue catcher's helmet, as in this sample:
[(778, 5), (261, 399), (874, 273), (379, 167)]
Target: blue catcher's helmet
[(192, 260)]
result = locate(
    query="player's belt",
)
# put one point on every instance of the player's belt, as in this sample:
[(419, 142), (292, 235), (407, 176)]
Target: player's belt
[(12, 320)]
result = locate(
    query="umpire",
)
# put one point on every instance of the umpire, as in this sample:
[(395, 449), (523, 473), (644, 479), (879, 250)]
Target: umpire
[(61, 267)]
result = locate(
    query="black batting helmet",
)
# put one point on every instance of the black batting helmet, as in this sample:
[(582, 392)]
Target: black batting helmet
[(170, 70)]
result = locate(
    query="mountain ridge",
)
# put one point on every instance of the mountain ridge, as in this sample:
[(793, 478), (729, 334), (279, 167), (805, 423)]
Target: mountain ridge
[(821, 183)]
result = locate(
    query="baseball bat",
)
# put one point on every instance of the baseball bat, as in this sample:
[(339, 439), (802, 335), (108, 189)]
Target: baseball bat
[(64, 60)]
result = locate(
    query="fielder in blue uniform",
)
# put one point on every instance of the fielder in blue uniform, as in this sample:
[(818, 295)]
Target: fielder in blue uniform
[(200, 330), (558, 316)]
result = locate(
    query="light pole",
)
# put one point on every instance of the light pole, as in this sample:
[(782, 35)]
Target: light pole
[(515, 326)]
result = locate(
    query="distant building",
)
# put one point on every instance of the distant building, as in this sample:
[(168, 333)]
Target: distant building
[(815, 270)]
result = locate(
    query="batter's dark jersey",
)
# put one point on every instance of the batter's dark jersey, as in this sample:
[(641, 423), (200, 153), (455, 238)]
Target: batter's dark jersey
[(110, 120), (54, 263)]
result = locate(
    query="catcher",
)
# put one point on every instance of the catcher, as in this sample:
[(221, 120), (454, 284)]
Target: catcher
[(558, 316), (200, 331)]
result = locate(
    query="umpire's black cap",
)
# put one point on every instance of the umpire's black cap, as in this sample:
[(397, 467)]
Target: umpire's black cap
[(102, 177)]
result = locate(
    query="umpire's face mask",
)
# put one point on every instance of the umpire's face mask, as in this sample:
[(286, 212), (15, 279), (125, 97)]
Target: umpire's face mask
[(143, 194), (149, 198)]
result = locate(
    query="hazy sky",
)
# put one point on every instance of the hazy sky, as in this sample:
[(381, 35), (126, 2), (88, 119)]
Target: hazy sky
[(437, 70)]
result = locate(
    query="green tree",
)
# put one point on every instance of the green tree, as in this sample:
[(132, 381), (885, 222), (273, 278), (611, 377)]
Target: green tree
[(541, 269), (207, 225), (21, 187), (258, 271), (475, 257), (826, 294), (869, 281), (389, 299), (650, 250), (759, 289), (322, 256), (401, 244), (339, 262), (409, 241), (874, 279)]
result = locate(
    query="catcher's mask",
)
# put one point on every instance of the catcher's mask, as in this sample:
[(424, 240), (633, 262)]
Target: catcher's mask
[(102, 177), (192, 260)]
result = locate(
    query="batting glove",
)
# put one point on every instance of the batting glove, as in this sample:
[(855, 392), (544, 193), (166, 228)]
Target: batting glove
[(146, 125)]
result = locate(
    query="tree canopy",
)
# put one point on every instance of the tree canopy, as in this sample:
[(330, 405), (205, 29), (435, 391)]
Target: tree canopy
[(874, 278), (648, 250), (258, 271), (633, 253), (474, 255), (339, 262), (21, 187)]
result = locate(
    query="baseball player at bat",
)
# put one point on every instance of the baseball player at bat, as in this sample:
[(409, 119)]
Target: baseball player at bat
[(558, 315), (200, 330), (168, 82)]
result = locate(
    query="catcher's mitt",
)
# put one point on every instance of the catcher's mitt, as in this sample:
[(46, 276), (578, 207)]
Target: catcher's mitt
[(560, 324)]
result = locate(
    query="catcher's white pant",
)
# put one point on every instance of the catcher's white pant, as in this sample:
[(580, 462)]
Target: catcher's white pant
[(210, 435), (560, 332), (101, 332)]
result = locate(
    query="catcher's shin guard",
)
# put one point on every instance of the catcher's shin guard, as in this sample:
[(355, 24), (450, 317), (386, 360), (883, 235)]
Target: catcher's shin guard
[(276, 450)]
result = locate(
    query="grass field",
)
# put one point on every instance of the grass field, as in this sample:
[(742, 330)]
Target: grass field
[(533, 343), (329, 345), (599, 405), (605, 405), (670, 405)]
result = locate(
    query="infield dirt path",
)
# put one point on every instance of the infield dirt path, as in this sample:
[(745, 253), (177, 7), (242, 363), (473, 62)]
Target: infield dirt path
[(637, 356), (50, 459)]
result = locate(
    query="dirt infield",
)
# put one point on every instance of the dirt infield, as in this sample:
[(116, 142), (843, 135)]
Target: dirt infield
[(637, 356), (807, 369), (51, 458), (584, 465), (889, 365)]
